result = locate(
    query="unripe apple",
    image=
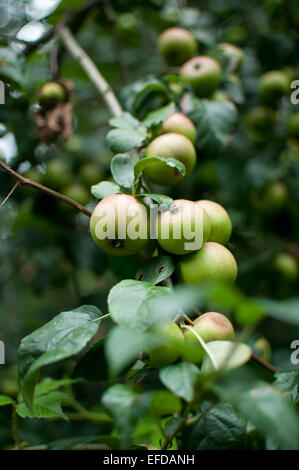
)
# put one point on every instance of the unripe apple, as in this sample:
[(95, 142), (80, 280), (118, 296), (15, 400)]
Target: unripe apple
[(119, 225), (184, 228), (272, 198), (235, 54), (293, 125), (178, 123), (34, 175), (176, 45), (203, 74), (90, 174), (169, 146), (51, 94), (221, 226), (58, 173), (273, 85), (172, 338), (213, 262), (261, 119), (78, 193), (287, 265), (211, 326)]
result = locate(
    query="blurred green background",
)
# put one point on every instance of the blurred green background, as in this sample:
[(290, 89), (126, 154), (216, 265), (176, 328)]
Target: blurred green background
[(48, 260)]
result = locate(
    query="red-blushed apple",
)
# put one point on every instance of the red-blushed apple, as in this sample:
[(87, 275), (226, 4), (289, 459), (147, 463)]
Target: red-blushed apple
[(203, 74), (179, 124), (176, 45), (211, 326), (119, 225)]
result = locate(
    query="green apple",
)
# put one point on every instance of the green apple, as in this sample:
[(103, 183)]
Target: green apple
[(287, 265), (213, 262), (203, 74), (273, 196), (211, 326), (51, 94), (176, 45), (119, 225), (170, 349), (34, 175), (78, 193), (234, 53), (184, 228), (273, 85), (178, 123), (90, 174), (261, 119), (58, 173), (221, 226), (169, 146), (293, 125), (262, 348)]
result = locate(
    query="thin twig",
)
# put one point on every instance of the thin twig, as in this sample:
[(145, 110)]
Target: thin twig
[(264, 363), (28, 182), (91, 70), (10, 193)]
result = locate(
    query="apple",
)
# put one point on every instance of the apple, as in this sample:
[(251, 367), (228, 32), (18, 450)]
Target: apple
[(58, 173), (119, 225), (273, 85), (78, 193), (272, 198), (234, 53), (51, 94), (203, 74), (213, 262), (287, 265), (176, 45), (221, 226), (211, 326), (183, 228), (172, 338), (34, 175), (178, 123), (169, 146), (90, 174), (261, 119), (293, 125)]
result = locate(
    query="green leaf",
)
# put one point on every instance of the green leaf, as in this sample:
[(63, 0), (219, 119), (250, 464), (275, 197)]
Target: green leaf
[(267, 408), (181, 379), (159, 115), (4, 400), (214, 122), (122, 169), (134, 94), (288, 382), (123, 346), (220, 428), (61, 338), (172, 162), (104, 189), (123, 140), (50, 385), (44, 406), (160, 199), (129, 133), (126, 407), (93, 366), (156, 269), (165, 402), (225, 355), (284, 310), (128, 302)]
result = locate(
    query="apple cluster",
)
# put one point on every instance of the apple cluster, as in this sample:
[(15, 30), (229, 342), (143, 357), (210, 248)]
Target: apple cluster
[(209, 260)]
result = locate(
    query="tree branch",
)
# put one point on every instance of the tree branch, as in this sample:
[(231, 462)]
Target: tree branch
[(264, 363), (28, 182), (91, 70)]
